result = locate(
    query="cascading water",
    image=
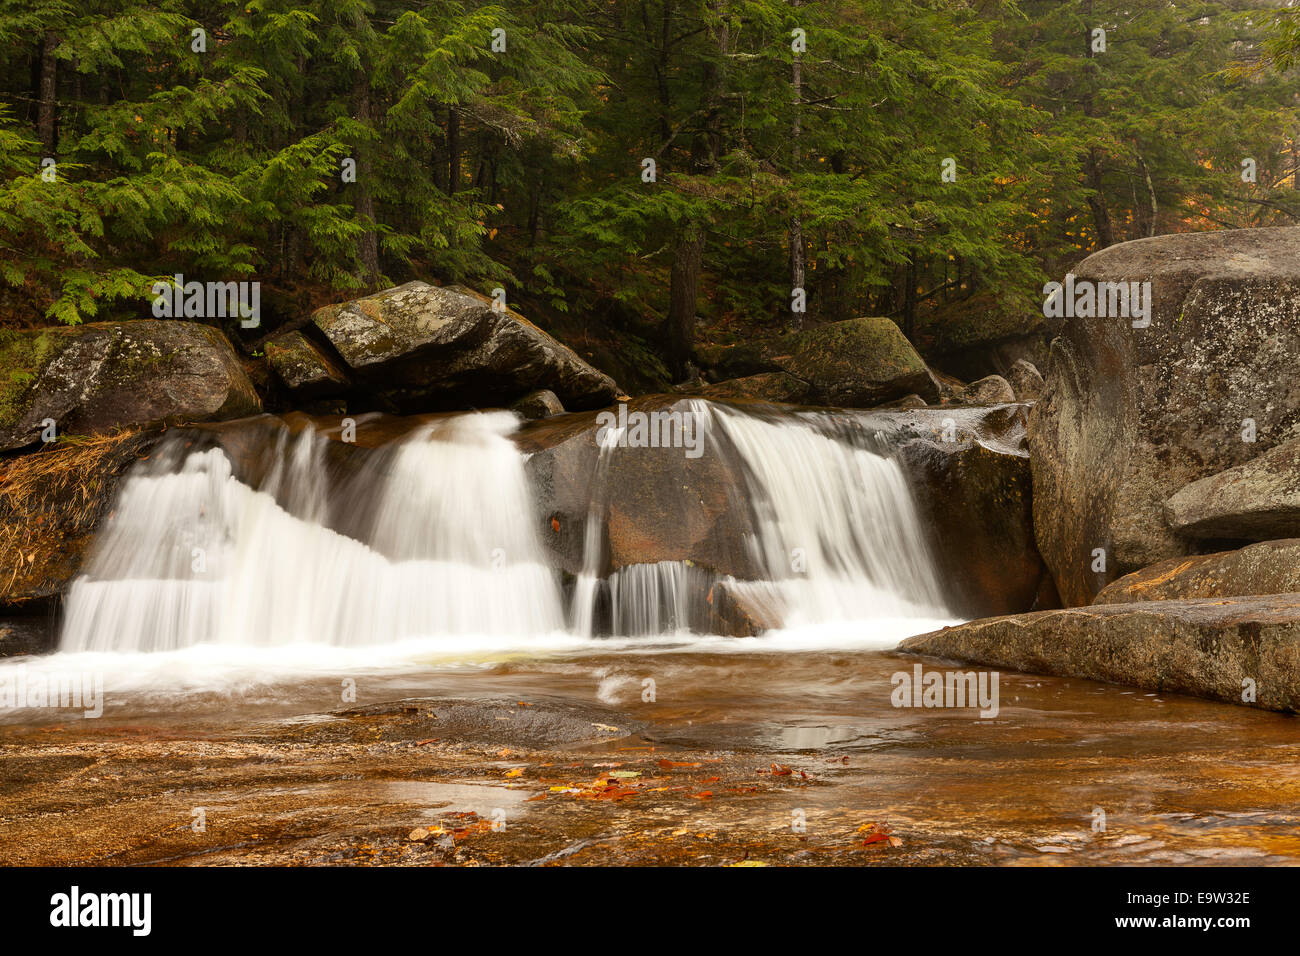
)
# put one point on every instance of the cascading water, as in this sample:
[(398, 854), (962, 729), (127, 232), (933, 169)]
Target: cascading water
[(437, 537), (192, 555), (837, 526)]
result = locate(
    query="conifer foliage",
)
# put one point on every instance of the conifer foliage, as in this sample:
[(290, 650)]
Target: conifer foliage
[(679, 161)]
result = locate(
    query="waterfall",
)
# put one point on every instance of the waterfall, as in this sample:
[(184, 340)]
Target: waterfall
[(837, 526), (195, 556), (437, 535)]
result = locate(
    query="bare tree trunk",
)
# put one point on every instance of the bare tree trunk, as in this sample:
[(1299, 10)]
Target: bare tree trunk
[(1097, 201), (798, 258), (49, 75), (909, 299), (453, 151), (683, 291), (1151, 193), (368, 248), (1092, 163)]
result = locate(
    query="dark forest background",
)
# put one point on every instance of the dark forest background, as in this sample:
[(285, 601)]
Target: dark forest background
[(222, 155)]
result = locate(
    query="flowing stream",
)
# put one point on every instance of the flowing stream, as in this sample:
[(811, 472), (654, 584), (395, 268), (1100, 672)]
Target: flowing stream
[(213, 609), (442, 547)]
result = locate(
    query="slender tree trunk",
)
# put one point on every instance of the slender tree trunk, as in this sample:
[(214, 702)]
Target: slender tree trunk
[(715, 86), (1151, 194), (798, 260), (453, 151), (1097, 201), (45, 131), (909, 299), (683, 291), (368, 248)]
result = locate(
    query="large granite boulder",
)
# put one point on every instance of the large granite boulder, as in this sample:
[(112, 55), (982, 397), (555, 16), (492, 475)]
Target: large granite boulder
[(970, 471), (424, 347), (1269, 567), (1130, 415), (1241, 650), (1251, 502), (968, 468), (857, 363), (92, 379), (658, 504)]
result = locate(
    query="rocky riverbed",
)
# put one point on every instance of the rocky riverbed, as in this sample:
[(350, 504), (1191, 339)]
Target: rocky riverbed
[(557, 760)]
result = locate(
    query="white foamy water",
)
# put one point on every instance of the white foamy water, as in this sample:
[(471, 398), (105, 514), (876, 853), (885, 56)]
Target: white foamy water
[(197, 557), (838, 529), (209, 578)]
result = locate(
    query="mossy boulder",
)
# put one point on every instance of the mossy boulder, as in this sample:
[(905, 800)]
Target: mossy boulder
[(93, 379), (425, 348), (304, 367), (857, 363)]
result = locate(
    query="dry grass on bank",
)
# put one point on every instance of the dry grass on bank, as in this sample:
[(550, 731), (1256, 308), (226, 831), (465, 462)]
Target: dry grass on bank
[(50, 503)]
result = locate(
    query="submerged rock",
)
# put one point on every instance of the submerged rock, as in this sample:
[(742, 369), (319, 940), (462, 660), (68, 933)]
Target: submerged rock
[(92, 379), (425, 347), (1241, 650), (1130, 415), (1270, 567), (1254, 501), (857, 363)]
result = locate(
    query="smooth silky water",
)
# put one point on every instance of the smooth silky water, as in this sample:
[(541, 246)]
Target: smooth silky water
[(207, 603)]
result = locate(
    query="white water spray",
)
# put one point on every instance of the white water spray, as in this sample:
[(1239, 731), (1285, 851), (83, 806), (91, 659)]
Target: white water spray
[(196, 557), (442, 543)]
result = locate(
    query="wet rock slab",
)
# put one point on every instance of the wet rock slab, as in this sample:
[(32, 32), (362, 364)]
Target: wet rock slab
[(1268, 567), (1243, 650)]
